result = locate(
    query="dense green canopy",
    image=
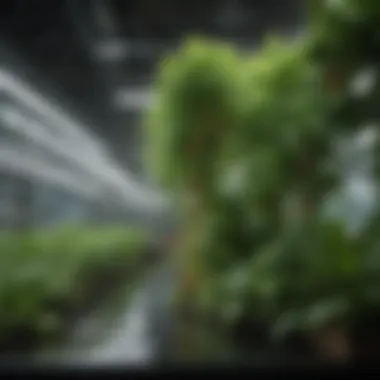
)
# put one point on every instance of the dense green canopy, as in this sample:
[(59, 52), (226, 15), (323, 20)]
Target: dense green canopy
[(252, 136)]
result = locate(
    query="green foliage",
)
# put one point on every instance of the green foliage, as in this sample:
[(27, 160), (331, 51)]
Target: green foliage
[(198, 102), (344, 38), (50, 267), (345, 31), (268, 246)]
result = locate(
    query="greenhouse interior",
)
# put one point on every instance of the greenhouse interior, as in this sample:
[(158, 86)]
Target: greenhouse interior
[(189, 182)]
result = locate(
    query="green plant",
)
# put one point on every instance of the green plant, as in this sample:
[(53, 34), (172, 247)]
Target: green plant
[(44, 268), (265, 242)]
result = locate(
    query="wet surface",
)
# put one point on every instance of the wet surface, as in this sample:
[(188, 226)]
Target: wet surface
[(129, 328)]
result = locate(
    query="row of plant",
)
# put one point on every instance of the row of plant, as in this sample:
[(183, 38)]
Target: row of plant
[(46, 275), (246, 144)]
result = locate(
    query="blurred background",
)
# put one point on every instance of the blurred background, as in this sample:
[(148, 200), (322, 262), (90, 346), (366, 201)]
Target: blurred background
[(76, 208), (93, 61)]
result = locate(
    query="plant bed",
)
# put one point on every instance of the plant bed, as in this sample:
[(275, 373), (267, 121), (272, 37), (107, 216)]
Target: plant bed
[(40, 307)]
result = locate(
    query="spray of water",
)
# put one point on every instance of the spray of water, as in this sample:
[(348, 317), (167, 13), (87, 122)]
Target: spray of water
[(16, 160), (99, 166), (61, 123), (72, 144)]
